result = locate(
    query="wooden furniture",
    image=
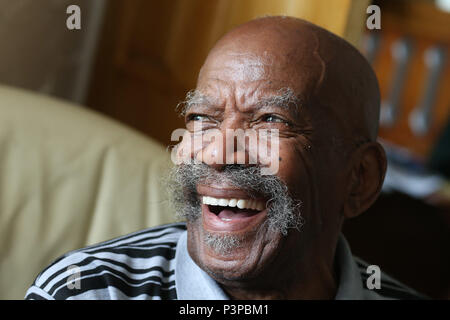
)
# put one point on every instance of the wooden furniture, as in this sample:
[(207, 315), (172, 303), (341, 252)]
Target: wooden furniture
[(418, 33)]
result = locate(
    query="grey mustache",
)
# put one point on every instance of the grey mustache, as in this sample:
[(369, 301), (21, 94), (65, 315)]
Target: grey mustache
[(283, 210)]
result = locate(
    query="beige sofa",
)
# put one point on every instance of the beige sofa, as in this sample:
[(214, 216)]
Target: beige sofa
[(68, 178)]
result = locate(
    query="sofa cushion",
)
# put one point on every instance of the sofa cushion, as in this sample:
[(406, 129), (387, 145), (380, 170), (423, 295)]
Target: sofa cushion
[(69, 177)]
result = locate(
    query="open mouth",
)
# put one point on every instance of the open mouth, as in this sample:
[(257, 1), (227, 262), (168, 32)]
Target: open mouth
[(232, 215), (229, 209)]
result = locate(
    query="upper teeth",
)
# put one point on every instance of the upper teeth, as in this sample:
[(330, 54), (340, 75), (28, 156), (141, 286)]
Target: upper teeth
[(240, 203)]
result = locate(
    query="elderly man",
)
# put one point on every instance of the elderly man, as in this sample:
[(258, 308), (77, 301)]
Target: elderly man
[(252, 235)]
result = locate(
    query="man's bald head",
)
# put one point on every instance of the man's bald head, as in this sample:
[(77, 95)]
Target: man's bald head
[(321, 98), (326, 72)]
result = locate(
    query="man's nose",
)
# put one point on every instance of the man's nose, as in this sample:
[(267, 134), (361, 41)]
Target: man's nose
[(223, 147)]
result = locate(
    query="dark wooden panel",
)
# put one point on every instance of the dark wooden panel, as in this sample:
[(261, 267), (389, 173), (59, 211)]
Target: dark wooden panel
[(425, 26)]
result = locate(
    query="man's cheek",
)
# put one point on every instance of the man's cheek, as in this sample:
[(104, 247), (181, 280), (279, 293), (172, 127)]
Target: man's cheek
[(183, 152), (269, 152), (177, 154), (293, 172)]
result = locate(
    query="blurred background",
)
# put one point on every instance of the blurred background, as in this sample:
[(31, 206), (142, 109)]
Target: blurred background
[(135, 60)]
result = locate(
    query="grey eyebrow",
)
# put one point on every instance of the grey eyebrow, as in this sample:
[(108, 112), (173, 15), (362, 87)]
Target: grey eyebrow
[(193, 97), (285, 98)]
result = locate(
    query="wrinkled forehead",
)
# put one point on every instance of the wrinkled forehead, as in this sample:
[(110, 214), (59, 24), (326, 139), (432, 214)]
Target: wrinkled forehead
[(260, 66), (236, 67)]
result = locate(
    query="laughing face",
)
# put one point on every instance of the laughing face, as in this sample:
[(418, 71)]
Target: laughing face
[(237, 217), (264, 235)]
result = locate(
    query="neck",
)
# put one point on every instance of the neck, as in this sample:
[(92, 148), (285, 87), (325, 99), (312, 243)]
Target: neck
[(308, 276)]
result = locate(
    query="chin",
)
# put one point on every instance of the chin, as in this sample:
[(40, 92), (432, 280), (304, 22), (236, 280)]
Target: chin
[(254, 254)]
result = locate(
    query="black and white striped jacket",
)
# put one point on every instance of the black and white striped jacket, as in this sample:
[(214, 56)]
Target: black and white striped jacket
[(154, 264)]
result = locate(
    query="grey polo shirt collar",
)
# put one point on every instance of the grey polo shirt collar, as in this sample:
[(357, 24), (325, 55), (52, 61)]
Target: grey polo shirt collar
[(192, 283)]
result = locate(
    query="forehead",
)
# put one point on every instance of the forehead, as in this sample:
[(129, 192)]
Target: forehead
[(236, 67), (233, 66), (253, 73)]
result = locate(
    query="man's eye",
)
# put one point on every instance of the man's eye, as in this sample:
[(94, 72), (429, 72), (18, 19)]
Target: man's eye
[(273, 118), (196, 117)]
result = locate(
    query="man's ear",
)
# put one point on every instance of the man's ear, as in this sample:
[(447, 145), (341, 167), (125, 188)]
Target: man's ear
[(365, 178)]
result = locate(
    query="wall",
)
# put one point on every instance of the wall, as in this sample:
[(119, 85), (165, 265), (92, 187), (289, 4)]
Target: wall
[(39, 53)]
